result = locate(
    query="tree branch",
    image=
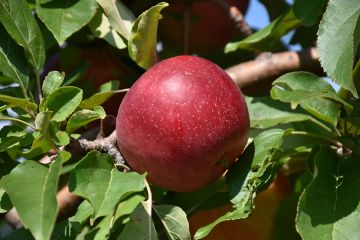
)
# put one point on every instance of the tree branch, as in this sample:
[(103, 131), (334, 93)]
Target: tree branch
[(268, 66), (107, 145), (236, 15)]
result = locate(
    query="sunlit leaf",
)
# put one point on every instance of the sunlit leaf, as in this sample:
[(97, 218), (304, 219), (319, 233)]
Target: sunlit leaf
[(101, 28), (265, 112), (143, 38), (122, 213), (337, 41), (140, 226), (267, 39), (19, 22), (83, 117), (119, 16), (95, 173), (32, 185), (26, 104), (97, 99), (63, 102), (312, 93), (330, 205), (174, 221), (63, 18), (52, 81)]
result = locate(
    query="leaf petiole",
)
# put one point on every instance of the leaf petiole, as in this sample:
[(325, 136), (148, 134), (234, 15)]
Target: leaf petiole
[(16, 120), (317, 136)]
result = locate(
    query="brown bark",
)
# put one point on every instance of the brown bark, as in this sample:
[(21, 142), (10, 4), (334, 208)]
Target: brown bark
[(237, 16), (268, 66)]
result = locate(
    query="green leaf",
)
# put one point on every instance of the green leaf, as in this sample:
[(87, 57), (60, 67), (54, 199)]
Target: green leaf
[(275, 7), (268, 38), (83, 213), (10, 135), (52, 82), (119, 16), (25, 104), (330, 205), (243, 181), (101, 28), (83, 117), (48, 137), (174, 221), (71, 227), (140, 226), (97, 99), (143, 38), (12, 61), (234, 215), (265, 112), (5, 203), (308, 11), (249, 174), (63, 102), (61, 138), (42, 121), (95, 173), (32, 185), (312, 93), (21, 25), (337, 41), (124, 209), (110, 86), (40, 145), (63, 18)]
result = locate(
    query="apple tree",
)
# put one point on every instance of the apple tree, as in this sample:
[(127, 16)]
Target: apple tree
[(69, 160)]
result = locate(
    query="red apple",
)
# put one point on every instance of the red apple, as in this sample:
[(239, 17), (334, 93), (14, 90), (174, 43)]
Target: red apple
[(210, 26), (184, 122)]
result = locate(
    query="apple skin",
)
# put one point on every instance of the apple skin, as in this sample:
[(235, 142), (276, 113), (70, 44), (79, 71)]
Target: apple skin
[(210, 25), (258, 226), (184, 122)]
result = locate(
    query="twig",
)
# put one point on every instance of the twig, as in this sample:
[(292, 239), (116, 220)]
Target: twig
[(237, 16), (107, 145), (13, 219), (67, 202), (268, 66)]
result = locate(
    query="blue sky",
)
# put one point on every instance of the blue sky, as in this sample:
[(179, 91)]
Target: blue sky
[(256, 15)]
